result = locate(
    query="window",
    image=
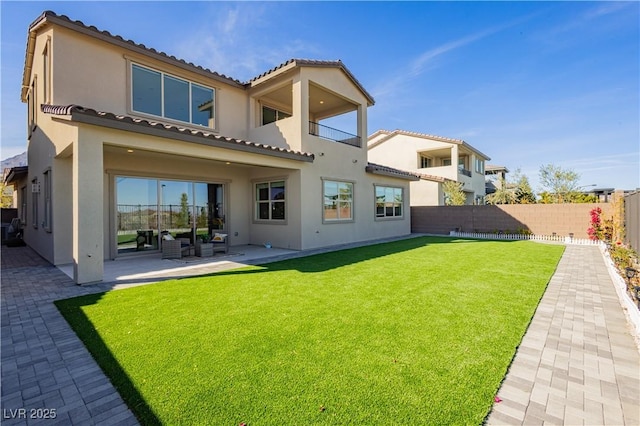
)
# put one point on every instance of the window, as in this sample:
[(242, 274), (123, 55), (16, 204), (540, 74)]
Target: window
[(270, 200), (46, 86), (388, 201), (338, 200), (446, 161), (269, 115), (46, 221), (31, 99), (35, 190), (479, 166), (156, 93), (23, 204), (425, 162)]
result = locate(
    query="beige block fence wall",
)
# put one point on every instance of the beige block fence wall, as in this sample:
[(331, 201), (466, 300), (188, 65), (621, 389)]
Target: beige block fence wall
[(539, 219)]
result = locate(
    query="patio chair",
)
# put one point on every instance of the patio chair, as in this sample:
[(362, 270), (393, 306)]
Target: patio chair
[(174, 248), (220, 243)]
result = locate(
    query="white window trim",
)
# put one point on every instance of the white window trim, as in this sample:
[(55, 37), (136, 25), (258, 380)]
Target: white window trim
[(130, 110), (353, 203), (375, 202)]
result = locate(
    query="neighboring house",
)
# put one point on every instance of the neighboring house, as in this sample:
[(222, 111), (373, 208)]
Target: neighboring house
[(495, 176), (127, 142), (435, 159)]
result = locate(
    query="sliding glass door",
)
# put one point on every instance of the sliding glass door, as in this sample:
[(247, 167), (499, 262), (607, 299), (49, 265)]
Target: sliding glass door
[(148, 208)]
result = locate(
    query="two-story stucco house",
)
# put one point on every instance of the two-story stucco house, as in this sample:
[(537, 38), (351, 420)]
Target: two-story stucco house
[(127, 142), (435, 159)]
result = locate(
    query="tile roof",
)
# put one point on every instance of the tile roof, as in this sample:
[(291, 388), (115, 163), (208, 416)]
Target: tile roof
[(390, 134), (390, 171), (124, 122), (295, 62), (65, 21)]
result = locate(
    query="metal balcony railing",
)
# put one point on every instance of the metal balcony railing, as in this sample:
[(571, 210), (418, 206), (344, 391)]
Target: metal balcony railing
[(464, 171), (332, 134)]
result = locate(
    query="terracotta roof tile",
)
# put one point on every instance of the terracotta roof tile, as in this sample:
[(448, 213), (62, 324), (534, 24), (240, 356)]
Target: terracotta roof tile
[(225, 142), (390, 171), (66, 21)]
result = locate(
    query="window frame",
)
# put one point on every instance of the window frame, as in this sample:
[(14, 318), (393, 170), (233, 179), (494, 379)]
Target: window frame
[(277, 112), (270, 202), (395, 204), (48, 213), (422, 158), (34, 203), (191, 83), (32, 102), (46, 72), (351, 201), (479, 166), (23, 204)]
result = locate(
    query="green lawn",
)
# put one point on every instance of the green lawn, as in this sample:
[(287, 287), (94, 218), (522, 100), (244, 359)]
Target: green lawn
[(419, 331)]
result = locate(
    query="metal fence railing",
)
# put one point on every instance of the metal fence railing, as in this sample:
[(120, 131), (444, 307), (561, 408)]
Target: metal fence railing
[(332, 134)]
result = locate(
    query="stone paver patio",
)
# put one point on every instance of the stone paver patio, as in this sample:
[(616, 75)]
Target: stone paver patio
[(577, 364)]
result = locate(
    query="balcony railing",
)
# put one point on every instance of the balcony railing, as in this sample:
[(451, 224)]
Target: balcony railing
[(332, 134), (464, 171)]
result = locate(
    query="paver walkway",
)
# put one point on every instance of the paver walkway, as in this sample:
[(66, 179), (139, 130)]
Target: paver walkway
[(576, 365)]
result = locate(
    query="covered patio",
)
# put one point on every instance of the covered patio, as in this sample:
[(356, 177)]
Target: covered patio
[(149, 268)]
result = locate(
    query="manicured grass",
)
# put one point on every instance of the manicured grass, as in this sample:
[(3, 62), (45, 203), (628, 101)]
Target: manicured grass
[(419, 331)]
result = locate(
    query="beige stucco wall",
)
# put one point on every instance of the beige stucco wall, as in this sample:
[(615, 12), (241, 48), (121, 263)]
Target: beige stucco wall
[(85, 159), (403, 151), (84, 65)]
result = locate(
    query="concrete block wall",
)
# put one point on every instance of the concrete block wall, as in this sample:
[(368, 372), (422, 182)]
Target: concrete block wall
[(540, 219)]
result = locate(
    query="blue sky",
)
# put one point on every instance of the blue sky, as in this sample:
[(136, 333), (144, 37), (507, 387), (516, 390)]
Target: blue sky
[(527, 83)]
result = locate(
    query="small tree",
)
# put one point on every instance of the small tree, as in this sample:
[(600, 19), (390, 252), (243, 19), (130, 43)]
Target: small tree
[(560, 184), (524, 193), (6, 193), (504, 194), (453, 193)]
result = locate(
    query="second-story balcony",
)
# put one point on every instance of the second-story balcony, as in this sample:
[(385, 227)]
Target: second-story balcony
[(329, 133), (464, 171)]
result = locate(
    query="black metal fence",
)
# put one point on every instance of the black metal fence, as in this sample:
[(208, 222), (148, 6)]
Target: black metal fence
[(326, 132)]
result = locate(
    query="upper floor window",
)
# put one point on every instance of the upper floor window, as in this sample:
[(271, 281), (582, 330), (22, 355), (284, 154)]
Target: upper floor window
[(479, 166), (156, 93), (389, 201), (32, 102), (338, 200), (46, 73), (270, 200), (269, 115), (446, 161), (425, 162)]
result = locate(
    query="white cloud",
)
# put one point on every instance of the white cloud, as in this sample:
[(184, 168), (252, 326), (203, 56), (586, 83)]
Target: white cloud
[(229, 39)]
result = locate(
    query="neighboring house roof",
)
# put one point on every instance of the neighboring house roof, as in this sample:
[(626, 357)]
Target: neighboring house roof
[(378, 169), (492, 168), (122, 122), (293, 63), (64, 21), (387, 135), (15, 174)]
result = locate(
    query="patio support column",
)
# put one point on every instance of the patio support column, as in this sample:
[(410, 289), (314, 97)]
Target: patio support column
[(87, 210), (300, 98)]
